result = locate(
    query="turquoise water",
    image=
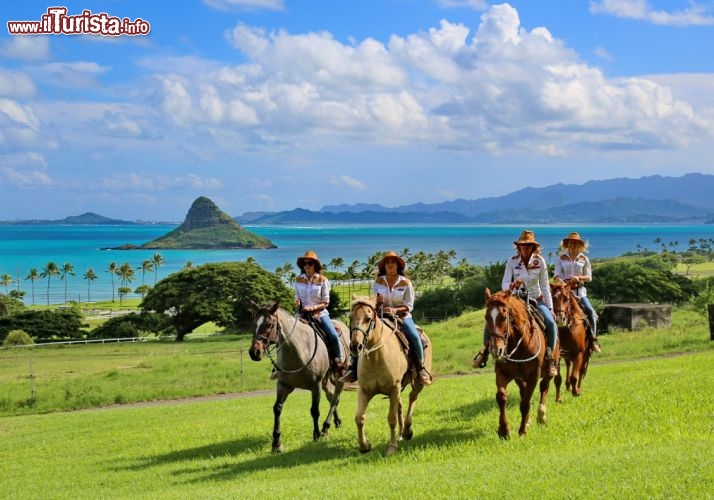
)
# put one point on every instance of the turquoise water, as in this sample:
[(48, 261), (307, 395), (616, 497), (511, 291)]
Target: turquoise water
[(26, 247)]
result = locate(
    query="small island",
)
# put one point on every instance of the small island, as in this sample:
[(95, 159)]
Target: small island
[(206, 227)]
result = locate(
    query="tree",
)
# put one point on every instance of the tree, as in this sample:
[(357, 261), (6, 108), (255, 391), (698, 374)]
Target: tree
[(67, 270), (337, 263), (90, 276), (10, 306), (146, 266), (157, 260), (5, 280), (126, 273), (44, 325), (48, 271), (218, 292), (32, 276), (112, 270)]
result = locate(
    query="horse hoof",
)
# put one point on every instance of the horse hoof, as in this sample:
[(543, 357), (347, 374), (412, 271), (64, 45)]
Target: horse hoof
[(391, 450), (366, 448), (278, 448), (408, 433)]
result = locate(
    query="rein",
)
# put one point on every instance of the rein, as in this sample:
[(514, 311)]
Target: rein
[(509, 331), (370, 328), (278, 344)]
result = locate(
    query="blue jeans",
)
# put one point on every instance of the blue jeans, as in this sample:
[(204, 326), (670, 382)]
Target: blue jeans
[(414, 340), (334, 346), (590, 311), (551, 330)]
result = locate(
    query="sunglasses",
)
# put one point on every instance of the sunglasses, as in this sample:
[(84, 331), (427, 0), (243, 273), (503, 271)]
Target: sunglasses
[(308, 262)]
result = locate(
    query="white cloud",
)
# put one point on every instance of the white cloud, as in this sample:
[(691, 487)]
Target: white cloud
[(149, 182), (24, 170), (26, 48), (350, 182), (16, 84), (245, 4), (78, 74), (641, 10)]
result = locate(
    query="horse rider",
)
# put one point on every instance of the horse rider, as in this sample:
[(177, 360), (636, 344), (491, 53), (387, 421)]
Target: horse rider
[(312, 296), (528, 269), (395, 297), (573, 266)]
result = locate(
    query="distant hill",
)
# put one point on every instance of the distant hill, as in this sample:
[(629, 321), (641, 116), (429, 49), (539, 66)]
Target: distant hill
[(88, 218), (207, 227), (654, 199)]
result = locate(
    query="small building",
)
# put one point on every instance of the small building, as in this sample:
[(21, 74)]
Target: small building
[(636, 316)]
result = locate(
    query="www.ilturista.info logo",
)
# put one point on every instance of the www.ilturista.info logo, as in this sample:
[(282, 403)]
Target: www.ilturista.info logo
[(57, 22)]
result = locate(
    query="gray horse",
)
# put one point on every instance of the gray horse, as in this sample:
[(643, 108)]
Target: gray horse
[(301, 362)]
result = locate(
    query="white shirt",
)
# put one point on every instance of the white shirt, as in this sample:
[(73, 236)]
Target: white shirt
[(566, 268), (313, 291), (401, 294), (535, 277)]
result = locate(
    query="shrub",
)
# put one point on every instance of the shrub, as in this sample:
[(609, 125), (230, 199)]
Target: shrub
[(17, 337), (132, 325)]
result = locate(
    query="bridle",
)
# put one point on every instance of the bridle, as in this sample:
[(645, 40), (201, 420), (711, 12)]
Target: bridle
[(272, 339), (510, 328), (370, 329)]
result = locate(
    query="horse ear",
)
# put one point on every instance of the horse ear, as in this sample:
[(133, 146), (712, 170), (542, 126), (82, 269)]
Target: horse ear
[(254, 307), (487, 293), (354, 296), (275, 306)]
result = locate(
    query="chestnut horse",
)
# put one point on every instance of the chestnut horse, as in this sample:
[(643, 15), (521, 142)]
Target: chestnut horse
[(301, 362), (518, 344), (382, 368), (572, 333)]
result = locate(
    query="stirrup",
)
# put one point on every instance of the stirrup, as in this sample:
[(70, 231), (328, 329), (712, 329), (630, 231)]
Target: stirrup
[(274, 374), (424, 377), (480, 359), (349, 377), (595, 345)]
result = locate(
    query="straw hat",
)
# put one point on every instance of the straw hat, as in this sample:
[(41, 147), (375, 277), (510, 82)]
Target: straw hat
[(391, 255), (573, 237), (309, 255), (526, 238)]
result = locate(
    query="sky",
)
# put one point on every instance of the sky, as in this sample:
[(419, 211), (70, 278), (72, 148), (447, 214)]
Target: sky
[(269, 105)]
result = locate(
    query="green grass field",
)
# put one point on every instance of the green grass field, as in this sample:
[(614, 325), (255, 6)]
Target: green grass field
[(643, 428)]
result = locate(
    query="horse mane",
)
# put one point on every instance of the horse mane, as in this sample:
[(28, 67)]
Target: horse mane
[(363, 299), (514, 303)]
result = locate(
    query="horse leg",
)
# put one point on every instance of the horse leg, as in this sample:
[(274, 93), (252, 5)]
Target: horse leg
[(283, 391), (574, 375), (522, 391), (394, 418), (542, 410), (315, 411), (362, 402), (525, 406), (333, 396), (558, 383), (502, 399), (408, 432), (568, 374)]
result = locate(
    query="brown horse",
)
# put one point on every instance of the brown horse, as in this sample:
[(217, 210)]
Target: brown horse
[(518, 344), (572, 332), (383, 368)]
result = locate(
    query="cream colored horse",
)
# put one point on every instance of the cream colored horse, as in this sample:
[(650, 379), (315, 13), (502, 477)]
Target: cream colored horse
[(382, 368)]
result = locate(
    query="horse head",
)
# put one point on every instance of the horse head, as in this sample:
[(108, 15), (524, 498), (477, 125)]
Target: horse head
[(266, 329), (506, 317), (562, 302), (363, 314)]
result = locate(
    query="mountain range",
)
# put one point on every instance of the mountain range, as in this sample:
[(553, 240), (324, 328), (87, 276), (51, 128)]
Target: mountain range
[(652, 199)]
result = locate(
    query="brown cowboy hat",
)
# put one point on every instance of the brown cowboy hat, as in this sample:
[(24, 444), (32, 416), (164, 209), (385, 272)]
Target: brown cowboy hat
[(391, 255), (309, 255), (573, 237), (526, 238)]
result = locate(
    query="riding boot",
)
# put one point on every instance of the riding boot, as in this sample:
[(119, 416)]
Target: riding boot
[(423, 375), (350, 375), (274, 374), (481, 358), (552, 369)]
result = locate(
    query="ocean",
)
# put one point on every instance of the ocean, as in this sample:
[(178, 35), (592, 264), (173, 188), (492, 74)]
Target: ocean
[(23, 247)]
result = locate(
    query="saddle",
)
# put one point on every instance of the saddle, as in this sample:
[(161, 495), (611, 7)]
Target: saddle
[(396, 324), (534, 313)]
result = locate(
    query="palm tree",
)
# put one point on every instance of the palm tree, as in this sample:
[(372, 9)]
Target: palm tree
[(158, 261), (188, 265), (48, 271), (146, 266), (112, 270), (67, 269), (32, 276), (90, 276), (5, 280), (126, 273), (337, 263)]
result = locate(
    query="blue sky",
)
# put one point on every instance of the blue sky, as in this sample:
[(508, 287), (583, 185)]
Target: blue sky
[(266, 105)]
